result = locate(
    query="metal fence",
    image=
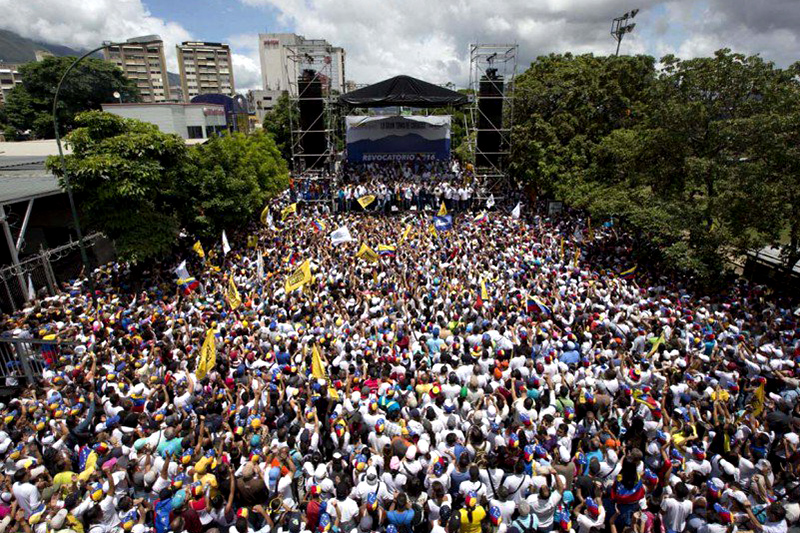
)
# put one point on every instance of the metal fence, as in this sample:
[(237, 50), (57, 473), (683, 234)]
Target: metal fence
[(22, 361), (45, 271)]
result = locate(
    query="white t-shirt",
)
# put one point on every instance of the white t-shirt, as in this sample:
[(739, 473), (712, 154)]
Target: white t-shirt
[(675, 513), (27, 495)]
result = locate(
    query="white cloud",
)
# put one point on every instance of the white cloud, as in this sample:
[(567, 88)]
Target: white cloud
[(86, 24), (430, 38)]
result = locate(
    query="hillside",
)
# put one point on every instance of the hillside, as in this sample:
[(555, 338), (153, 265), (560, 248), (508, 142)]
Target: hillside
[(17, 49)]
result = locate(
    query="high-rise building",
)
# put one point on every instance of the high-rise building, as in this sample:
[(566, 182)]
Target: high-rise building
[(9, 78), (262, 102), (205, 68), (279, 71), (145, 65)]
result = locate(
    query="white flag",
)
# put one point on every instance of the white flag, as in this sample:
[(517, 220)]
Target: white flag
[(490, 201), (341, 235), (225, 246), (181, 271), (31, 291), (515, 213), (259, 265), (270, 223)]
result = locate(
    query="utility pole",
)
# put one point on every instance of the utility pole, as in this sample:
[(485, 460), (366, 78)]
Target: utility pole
[(620, 26)]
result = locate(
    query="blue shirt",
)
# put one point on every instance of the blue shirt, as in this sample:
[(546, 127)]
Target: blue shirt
[(404, 518)]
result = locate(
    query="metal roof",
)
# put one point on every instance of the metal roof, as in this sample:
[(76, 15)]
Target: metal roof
[(24, 177)]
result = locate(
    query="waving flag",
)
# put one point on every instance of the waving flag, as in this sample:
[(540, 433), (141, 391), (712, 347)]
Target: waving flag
[(367, 254), (386, 249), (364, 201), (490, 201), (443, 223), (208, 356), (299, 277), (406, 233), (186, 282), (481, 219), (265, 215), (340, 236), (628, 274), (198, 248), (288, 210), (517, 211), (442, 210), (233, 294), (319, 226), (225, 246), (535, 305)]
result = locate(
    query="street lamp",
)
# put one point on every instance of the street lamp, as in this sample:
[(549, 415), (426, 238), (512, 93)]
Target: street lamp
[(620, 26), (146, 39)]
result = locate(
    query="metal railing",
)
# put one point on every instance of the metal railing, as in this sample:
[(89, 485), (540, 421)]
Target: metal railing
[(23, 361)]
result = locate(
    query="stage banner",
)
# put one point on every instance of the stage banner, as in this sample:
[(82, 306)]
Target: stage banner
[(397, 138)]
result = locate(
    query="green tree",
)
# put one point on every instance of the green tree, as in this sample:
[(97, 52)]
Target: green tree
[(277, 124), (129, 177), (89, 85), (232, 178)]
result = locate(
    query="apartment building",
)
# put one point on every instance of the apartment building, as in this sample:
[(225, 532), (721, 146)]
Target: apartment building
[(205, 68), (9, 78), (279, 71), (145, 65)]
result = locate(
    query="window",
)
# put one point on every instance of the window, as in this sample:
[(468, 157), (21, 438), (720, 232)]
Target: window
[(195, 132)]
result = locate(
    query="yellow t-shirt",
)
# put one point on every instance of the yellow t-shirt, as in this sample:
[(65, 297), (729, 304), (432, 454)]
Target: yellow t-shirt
[(474, 525)]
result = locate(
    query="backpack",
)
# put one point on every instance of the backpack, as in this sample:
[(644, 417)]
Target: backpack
[(419, 516), (523, 528)]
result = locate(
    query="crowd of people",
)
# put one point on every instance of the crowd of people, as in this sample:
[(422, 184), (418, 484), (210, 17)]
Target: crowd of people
[(415, 184), (514, 374)]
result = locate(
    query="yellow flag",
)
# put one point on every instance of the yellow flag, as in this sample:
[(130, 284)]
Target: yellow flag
[(367, 254), (299, 277), (208, 356), (659, 341), (758, 400), (442, 210), (591, 231), (233, 294), (288, 210), (318, 371), (484, 292), (562, 248), (432, 231), (252, 241), (405, 235), (364, 201), (197, 247), (264, 214)]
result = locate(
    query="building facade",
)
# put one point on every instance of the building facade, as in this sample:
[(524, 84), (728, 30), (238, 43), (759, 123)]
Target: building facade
[(205, 68), (279, 71), (9, 78), (190, 121), (145, 65), (261, 102)]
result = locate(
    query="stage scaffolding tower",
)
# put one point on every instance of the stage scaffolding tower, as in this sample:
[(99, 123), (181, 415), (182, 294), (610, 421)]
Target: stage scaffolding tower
[(309, 68), (493, 70)]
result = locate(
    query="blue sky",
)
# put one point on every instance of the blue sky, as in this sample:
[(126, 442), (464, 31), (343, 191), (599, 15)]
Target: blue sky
[(424, 38)]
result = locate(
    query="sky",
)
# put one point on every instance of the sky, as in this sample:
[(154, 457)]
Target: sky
[(423, 38)]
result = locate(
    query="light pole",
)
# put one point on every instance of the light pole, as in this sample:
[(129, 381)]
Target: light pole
[(620, 26), (67, 186)]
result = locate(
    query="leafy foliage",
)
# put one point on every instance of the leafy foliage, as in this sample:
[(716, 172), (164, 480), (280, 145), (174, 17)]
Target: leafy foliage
[(140, 186), (699, 156), (277, 124), (90, 84), (233, 176)]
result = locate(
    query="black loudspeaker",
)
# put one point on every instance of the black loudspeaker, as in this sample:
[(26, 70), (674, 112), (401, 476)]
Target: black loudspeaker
[(490, 120), (312, 143)]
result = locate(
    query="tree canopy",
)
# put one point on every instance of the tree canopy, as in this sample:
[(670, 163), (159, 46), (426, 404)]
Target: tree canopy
[(697, 155), (140, 186), (90, 84)]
